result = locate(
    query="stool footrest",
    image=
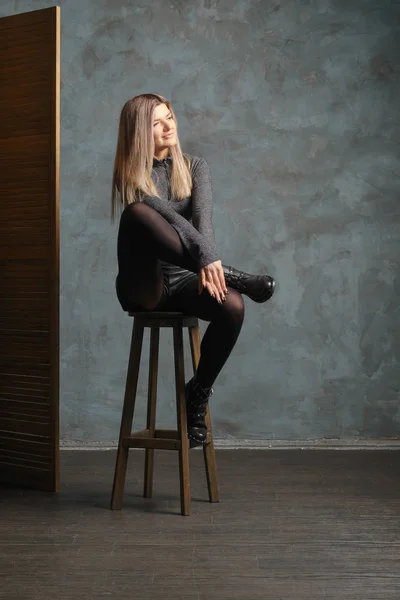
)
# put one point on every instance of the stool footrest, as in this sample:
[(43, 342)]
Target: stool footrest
[(152, 443), (164, 439), (169, 434)]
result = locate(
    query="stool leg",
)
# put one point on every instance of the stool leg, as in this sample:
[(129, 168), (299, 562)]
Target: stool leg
[(127, 415), (208, 448), (151, 410), (182, 424)]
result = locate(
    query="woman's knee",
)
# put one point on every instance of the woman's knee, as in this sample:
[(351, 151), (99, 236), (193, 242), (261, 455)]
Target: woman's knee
[(233, 307), (136, 211)]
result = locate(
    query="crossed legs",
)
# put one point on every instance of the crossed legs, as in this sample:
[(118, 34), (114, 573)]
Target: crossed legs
[(145, 238)]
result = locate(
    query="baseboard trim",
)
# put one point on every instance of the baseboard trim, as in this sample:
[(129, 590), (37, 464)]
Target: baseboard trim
[(232, 444)]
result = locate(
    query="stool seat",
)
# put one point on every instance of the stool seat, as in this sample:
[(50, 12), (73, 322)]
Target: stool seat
[(164, 319), (157, 314), (152, 438)]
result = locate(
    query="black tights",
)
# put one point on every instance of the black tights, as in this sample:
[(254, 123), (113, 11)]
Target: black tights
[(145, 238)]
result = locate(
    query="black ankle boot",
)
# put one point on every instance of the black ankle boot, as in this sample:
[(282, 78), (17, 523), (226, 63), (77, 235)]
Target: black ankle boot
[(257, 287), (196, 405)]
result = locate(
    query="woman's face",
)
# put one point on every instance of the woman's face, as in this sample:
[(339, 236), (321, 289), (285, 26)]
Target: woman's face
[(164, 130)]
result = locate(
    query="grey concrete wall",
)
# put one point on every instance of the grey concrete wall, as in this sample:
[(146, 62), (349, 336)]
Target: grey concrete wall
[(295, 105)]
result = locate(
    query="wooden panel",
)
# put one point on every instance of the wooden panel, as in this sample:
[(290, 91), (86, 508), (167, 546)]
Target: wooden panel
[(29, 248), (22, 282)]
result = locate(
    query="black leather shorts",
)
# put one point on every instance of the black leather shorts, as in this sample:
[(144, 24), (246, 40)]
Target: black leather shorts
[(176, 278)]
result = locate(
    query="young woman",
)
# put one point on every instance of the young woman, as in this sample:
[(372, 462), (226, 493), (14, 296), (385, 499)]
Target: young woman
[(167, 257)]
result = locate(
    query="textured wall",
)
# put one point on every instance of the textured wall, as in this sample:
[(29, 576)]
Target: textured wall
[(295, 105)]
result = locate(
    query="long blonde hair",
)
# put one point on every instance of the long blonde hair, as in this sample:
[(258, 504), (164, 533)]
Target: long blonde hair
[(133, 162)]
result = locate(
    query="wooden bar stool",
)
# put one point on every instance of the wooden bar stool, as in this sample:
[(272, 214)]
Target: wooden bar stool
[(152, 438)]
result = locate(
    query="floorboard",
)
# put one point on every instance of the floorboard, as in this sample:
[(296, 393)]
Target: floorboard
[(292, 524)]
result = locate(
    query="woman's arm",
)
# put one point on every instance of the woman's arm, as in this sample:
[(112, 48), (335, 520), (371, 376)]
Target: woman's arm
[(211, 275), (202, 209)]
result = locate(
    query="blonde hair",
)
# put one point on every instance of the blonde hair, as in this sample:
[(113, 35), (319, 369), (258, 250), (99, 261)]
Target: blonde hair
[(133, 162)]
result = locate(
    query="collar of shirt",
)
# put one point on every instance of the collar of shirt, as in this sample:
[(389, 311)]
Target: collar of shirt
[(163, 161)]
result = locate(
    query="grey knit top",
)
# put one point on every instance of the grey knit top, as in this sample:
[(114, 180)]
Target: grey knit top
[(191, 217)]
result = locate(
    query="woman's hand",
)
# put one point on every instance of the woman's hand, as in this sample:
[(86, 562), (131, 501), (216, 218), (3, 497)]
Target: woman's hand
[(211, 277)]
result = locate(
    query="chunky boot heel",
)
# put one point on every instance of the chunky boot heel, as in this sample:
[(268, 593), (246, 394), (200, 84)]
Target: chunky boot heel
[(258, 288), (196, 406)]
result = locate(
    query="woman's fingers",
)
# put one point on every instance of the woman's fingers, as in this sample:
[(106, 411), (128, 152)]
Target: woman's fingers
[(203, 277), (201, 280), (220, 280), (212, 277), (213, 291)]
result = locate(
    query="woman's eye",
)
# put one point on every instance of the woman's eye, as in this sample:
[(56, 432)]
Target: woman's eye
[(158, 122)]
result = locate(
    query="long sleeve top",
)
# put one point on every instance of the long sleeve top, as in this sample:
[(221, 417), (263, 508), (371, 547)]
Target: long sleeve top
[(191, 217)]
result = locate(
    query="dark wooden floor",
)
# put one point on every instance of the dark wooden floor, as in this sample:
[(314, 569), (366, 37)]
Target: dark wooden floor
[(292, 524)]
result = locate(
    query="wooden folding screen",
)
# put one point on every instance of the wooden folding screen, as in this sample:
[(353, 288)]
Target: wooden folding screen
[(29, 248)]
